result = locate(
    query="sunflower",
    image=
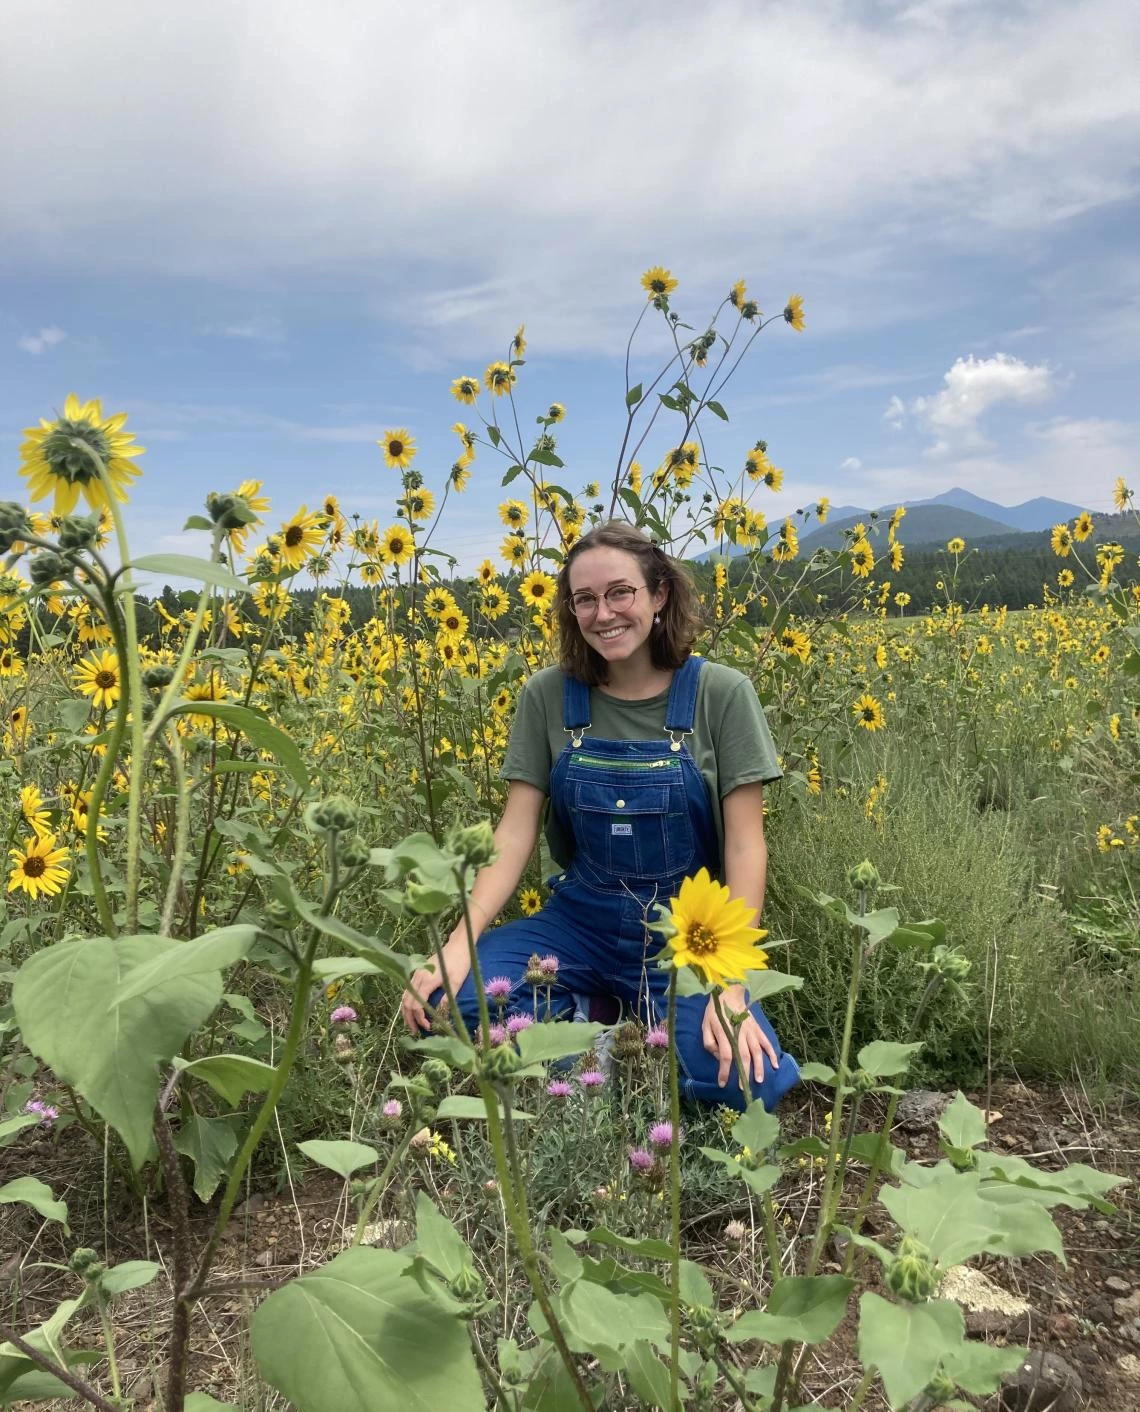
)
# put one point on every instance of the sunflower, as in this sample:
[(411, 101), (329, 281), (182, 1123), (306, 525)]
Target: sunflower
[(513, 513), (494, 601), (1102, 654), (32, 808), (822, 508), (38, 867), (212, 689), (437, 601), (465, 390), (299, 537), (895, 521), (896, 557), (555, 412), (1062, 541), (518, 343), (796, 643), (487, 572), (737, 295), (417, 504), (862, 558), (711, 931), (11, 665), (530, 901), (868, 713), (1121, 495), (396, 545), (537, 589), (1065, 578), (57, 456), (956, 546), (458, 476), (399, 448), (788, 545), (498, 378), (97, 676), (773, 477), (514, 549), (657, 282), (1082, 526), (453, 623), (794, 312)]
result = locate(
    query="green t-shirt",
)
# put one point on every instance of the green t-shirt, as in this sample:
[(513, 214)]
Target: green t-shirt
[(731, 742)]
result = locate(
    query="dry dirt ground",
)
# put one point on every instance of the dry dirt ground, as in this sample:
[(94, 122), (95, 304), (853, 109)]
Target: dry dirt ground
[(1087, 1313)]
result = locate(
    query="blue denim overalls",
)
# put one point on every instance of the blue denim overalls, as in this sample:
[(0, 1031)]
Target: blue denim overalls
[(641, 819)]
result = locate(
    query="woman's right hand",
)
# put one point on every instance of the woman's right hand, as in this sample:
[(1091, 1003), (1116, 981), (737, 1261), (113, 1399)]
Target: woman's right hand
[(426, 980)]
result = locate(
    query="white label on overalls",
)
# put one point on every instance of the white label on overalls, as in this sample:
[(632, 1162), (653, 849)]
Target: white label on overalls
[(621, 830)]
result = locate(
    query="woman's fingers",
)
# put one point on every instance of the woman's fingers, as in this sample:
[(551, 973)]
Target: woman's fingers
[(419, 988)]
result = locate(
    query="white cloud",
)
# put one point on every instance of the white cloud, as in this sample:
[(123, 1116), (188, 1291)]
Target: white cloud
[(255, 136), (970, 389), (895, 414), (38, 343), (851, 464)]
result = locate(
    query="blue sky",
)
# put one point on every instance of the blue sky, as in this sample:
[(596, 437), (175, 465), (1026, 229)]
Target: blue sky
[(270, 231)]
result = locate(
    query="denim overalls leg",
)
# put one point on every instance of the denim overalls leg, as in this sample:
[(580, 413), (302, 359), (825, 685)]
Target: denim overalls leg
[(641, 819)]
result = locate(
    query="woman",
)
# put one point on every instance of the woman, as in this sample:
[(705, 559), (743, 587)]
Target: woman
[(654, 762)]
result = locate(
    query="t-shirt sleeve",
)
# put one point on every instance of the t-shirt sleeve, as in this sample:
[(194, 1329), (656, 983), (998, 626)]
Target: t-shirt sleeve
[(527, 755), (746, 753)]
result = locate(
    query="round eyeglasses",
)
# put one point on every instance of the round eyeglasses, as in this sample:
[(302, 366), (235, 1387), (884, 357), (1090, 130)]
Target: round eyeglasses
[(585, 604)]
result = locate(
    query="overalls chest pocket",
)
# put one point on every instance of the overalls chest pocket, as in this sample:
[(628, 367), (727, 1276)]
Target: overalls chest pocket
[(634, 829)]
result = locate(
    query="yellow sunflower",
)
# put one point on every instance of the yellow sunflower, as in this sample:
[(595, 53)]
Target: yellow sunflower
[(97, 676), (418, 504), (555, 412), (956, 546), (465, 390), (1082, 526), (537, 589), (396, 545), (514, 549), (1121, 495), (794, 312), (498, 378), (822, 508), (712, 931), (788, 545), (530, 901), (513, 513), (38, 867), (458, 476), (868, 713), (437, 601), (399, 448), (56, 456), (32, 808), (494, 601), (658, 281), (299, 537), (862, 558), (773, 477), (487, 572), (11, 665), (212, 689), (896, 557), (518, 343), (737, 294), (1061, 540)]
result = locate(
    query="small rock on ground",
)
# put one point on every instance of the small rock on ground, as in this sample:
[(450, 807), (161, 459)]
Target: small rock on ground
[(1042, 1382), (920, 1108)]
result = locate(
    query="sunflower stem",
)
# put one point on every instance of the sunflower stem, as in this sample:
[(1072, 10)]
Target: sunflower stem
[(674, 1203)]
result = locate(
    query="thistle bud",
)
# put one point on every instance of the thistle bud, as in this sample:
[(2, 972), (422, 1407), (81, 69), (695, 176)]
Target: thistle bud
[(913, 1276), (342, 1048), (863, 876), (628, 1041), (534, 974)]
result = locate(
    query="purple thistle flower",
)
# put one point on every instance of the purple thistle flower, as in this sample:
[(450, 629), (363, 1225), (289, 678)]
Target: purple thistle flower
[(549, 965), (661, 1136), (498, 1034), (640, 1160), (517, 1023), (592, 1078), (43, 1111), (393, 1108), (498, 988), (342, 1015), (657, 1038), (559, 1088)]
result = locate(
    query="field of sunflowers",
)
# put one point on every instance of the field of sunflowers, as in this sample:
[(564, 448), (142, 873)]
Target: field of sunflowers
[(235, 810)]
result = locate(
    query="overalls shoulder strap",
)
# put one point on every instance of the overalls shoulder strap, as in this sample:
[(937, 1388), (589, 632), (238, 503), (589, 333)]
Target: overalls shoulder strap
[(682, 703), (575, 704)]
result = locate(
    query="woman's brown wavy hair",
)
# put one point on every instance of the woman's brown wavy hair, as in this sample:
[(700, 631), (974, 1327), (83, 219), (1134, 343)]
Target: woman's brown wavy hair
[(670, 642)]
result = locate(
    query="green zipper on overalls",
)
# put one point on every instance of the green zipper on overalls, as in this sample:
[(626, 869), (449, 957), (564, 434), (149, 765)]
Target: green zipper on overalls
[(578, 758)]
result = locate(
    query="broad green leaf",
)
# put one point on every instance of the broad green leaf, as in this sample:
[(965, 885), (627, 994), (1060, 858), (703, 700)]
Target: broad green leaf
[(443, 1046), (978, 1367), (597, 1319), (202, 1402), (186, 566), (131, 1274), (257, 728), (64, 997), (865, 1147), (695, 1288), (648, 1376), (763, 984), (756, 1128), (807, 1308), (327, 969), (230, 1075), (438, 1241), (884, 1059), (356, 1336), (760, 1179), (213, 951), (633, 396), (339, 1155), (961, 1124), (819, 1073), (550, 1388), (906, 1342), (210, 1143), (567, 1263), (46, 1339), (375, 950), (1076, 1185), (10, 1127), (38, 1195), (948, 1216), (467, 1105), (648, 1246), (1026, 1226), (717, 409), (560, 1040)]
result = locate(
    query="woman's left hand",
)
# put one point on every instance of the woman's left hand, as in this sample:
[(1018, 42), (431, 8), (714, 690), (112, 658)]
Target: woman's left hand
[(753, 1043)]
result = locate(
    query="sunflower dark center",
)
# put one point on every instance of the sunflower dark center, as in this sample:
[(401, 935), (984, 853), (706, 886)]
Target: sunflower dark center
[(72, 461), (34, 867), (293, 536), (868, 713), (658, 286), (702, 940), (395, 448), (106, 680)]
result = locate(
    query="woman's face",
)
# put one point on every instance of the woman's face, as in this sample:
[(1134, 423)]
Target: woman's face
[(616, 634)]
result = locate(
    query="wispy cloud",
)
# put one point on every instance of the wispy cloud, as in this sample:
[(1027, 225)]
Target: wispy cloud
[(38, 343)]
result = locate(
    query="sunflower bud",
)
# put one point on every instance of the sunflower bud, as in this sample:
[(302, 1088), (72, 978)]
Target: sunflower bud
[(475, 844), (941, 1390), (468, 1286), (424, 901), (336, 814), (156, 677), (353, 852), (437, 1072), (913, 1275), (862, 1082), (78, 531), (863, 876), (280, 914), (46, 569), (14, 524), (501, 1063), (86, 1264), (950, 962)]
